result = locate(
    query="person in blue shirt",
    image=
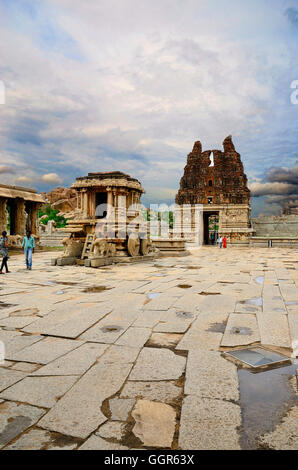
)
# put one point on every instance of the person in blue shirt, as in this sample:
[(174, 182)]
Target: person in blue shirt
[(28, 245)]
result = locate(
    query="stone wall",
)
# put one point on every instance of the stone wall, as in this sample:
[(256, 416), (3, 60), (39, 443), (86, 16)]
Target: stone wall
[(276, 226)]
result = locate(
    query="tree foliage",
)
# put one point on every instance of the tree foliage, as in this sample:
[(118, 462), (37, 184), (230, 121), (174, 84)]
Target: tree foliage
[(51, 214)]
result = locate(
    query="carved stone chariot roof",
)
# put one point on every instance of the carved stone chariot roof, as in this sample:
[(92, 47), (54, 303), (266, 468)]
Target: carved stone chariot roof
[(110, 178), (12, 192)]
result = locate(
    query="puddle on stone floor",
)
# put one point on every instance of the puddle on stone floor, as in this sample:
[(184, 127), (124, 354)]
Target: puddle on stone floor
[(153, 295), (292, 302), (218, 327), (184, 286), (257, 302), (241, 330), (259, 280), (265, 397), (94, 289), (59, 292), (4, 305), (184, 314), (111, 328), (209, 293), (64, 283)]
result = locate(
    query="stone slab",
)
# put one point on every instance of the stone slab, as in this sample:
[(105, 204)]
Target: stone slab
[(75, 362), (97, 443), (134, 337), (40, 391), (38, 439), (78, 413), (155, 423), (208, 375), (24, 367), (9, 377), (117, 354), (17, 322), (16, 418), (18, 343), (274, 329), (120, 408), (165, 392), (162, 302), (106, 331), (46, 350), (83, 320), (241, 329), (205, 333), (285, 435), (157, 364), (208, 424), (293, 326), (111, 430), (149, 318)]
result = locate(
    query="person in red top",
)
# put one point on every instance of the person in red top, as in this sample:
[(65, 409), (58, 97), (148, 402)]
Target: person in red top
[(224, 242)]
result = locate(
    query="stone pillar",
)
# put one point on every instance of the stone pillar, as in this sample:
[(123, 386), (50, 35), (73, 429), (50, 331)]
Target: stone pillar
[(85, 203), (33, 219), (121, 211), (109, 202), (20, 223), (3, 215)]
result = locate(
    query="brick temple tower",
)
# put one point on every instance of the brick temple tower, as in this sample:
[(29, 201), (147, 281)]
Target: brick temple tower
[(217, 180)]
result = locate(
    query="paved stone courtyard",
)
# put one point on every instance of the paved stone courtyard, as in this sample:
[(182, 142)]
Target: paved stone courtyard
[(131, 356)]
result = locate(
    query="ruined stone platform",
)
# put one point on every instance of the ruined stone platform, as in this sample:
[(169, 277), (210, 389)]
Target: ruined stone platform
[(104, 358)]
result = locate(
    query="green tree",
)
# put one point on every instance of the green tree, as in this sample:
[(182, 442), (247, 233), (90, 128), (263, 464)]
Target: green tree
[(51, 214)]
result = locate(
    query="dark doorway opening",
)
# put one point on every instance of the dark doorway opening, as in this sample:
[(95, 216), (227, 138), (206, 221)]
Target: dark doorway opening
[(101, 200), (211, 223), (28, 209), (12, 216)]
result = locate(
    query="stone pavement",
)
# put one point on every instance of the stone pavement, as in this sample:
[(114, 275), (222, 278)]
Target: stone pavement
[(131, 356)]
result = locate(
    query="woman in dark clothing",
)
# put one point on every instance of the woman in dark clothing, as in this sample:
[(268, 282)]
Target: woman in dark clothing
[(4, 252)]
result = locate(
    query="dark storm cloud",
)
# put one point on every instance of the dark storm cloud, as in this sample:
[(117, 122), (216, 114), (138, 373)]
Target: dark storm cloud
[(280, 185), (292, 15), (283, 175)]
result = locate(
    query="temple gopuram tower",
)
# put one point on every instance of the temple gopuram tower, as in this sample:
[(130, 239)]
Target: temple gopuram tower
[(216, 180)]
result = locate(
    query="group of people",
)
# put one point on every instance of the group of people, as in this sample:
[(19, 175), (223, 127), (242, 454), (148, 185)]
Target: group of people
[(222, 241), (28, 245)]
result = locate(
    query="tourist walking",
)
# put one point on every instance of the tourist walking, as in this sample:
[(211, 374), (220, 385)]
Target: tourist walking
[(220, 242), (224, 242), (4, 252), (28, 245)]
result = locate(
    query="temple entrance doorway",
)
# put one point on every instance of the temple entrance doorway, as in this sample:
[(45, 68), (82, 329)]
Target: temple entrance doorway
[(101, 199), (211, 224), (11, 207)]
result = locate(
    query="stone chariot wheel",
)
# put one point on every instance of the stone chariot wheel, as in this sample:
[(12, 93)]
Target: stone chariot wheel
[(145, 246), (133, 244)]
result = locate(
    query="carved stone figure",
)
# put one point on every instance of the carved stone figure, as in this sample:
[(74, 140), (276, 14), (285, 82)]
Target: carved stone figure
[(72, 248)]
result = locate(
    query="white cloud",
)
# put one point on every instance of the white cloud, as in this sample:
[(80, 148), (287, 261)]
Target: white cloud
[(51, 178)]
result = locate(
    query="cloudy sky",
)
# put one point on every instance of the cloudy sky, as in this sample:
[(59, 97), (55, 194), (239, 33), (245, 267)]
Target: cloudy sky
[(129, 85)]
